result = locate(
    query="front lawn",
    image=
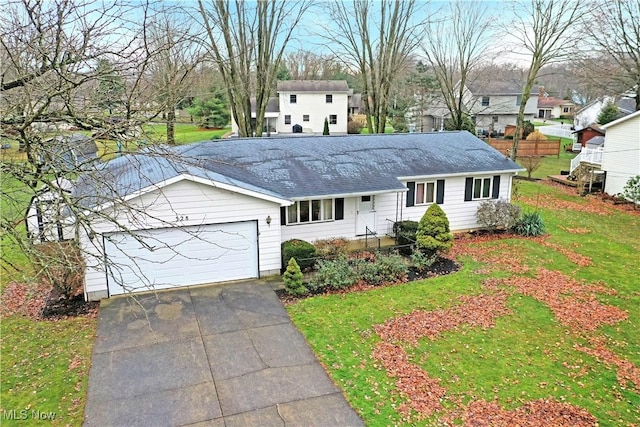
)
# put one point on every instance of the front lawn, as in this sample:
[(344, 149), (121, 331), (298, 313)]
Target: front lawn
[(45, 368), (527, 328), (45, 363)]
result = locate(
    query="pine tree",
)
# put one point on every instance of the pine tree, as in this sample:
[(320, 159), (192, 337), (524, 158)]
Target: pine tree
[(292, 278), (609, 113), (433, 234), (326, 127)]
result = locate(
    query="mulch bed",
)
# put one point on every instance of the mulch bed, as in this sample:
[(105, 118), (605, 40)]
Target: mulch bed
[(441, 267), (38, 301)]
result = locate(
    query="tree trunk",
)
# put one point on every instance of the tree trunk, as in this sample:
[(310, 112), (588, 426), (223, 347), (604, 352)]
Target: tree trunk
[(171, 121)]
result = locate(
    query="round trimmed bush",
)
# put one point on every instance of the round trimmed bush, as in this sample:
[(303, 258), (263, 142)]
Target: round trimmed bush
[(301, 250)]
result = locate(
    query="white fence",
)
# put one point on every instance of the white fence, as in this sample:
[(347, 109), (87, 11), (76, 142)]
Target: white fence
[(557, 131), (587, 155)]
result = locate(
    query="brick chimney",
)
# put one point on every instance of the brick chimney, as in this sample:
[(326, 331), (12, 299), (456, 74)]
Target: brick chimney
[(541, 92)]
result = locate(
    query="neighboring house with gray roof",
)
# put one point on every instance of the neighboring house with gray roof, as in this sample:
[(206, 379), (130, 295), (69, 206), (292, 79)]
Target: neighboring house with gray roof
[(589, 113), (68, 153), (493, 105), (220, 210), (302, 105)]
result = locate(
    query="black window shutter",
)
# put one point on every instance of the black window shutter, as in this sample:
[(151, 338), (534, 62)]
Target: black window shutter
[(283, 215), (468, 189), (411, 194), (440, 191), (339, 209), (495, 193)]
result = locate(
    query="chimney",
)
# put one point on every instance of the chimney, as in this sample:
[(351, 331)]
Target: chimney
[(540, 91)]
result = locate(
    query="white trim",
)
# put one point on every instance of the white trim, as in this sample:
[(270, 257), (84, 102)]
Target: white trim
[(621, 119), (479, 173), (189, 177), (344, 195), (473, 188)]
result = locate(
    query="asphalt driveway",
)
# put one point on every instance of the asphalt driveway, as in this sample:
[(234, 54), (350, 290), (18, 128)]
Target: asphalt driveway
[(221, 355)]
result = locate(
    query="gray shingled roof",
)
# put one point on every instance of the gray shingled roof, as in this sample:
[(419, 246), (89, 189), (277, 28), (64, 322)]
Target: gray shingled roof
[(626, 105), (295, 168), (312, 86), (273, 105), (496, 87)]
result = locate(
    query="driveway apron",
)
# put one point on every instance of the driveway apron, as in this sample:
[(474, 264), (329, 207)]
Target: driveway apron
[(220, 355)]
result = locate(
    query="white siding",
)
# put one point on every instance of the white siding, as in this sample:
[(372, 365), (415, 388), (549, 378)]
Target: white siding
[(193, 204), (313, 104), (461, 214), (324, 230), (621, 158), (392, 207), (45, 228)]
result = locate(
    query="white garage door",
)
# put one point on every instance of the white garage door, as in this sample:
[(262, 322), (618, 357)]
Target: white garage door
[(173, 257)]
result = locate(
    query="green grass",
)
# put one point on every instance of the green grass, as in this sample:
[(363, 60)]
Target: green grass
[(44, 364), (387, 129), (552, 165), (549, 122), (45, 368), (185, 133), (528, 355)]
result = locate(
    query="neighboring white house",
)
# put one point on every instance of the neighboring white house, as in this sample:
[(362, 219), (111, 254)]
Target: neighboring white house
[(621, 157), (302, 106), (220, 210), (588, 114), (306, 103)]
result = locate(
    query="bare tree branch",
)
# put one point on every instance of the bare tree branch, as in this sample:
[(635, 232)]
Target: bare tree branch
[(378, 48), (543, 31)]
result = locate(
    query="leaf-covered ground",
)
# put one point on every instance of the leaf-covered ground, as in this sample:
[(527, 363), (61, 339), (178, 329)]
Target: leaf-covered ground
[(531, 332), (45, 358)]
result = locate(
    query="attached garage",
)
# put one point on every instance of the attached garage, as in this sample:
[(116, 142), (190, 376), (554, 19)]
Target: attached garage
[(181, 256)]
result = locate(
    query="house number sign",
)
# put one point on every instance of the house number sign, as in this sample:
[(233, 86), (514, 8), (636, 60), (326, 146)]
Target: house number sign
[(182, 218)]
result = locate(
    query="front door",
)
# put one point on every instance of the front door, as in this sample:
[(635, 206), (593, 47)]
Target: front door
[(365, 215)]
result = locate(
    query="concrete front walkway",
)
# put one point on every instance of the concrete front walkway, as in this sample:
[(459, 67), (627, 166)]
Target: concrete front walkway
[(221, 355)]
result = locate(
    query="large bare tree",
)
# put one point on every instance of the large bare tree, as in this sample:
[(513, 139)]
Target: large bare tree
[(613, 27), (53, 56), (543, 33), (455, 44), (247, 41), (172, 55), (376, 40)]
